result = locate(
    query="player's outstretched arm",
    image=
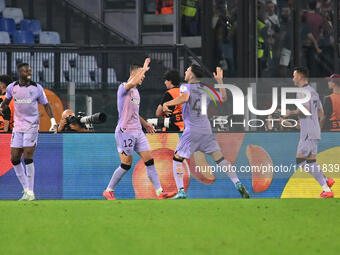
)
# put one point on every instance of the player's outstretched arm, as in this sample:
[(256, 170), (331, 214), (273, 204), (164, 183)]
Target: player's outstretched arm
[(54, 126), (134, 81), (219, 78), (183, 98)]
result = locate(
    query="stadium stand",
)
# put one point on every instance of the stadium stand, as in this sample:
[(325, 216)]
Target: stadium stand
[(7, 25), (23, 37), (4, 37), (49, 37), (2, 6), (32, 25), (13, 13)]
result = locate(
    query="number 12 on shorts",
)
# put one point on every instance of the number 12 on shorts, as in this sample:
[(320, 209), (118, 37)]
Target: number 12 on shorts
[(128, 143)]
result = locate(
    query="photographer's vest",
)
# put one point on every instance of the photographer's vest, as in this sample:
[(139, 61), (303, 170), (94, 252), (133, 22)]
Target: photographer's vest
[(176, 115), (189, 8), (165, 7), (261, 47), (11, 122), (335, 117), (260, 40)]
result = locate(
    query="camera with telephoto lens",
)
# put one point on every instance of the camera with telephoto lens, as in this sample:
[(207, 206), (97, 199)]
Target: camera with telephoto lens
[(159, 123), (86, 121)]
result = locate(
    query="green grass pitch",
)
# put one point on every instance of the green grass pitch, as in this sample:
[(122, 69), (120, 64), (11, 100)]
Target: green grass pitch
[(212, 226)]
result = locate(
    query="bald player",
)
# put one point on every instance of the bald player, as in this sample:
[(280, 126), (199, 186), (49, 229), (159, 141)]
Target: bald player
[(26, 95)]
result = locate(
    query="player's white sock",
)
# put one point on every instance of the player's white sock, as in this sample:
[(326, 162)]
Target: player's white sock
[(30, 192), (30, 176), (159, 191), (20, 172), (326, 188), (232, 175), (177, 168)]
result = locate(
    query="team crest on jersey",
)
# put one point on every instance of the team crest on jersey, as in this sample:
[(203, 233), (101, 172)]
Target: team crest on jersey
[(135, 100)]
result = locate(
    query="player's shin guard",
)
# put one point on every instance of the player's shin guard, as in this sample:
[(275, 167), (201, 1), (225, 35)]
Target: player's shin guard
[(30, 173), (314, 169), (225, 164), (20, 173), (178, 172), (153, 176), (117, 176)]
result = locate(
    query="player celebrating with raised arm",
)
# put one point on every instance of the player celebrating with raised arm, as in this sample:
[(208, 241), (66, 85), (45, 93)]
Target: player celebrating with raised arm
[(129, 134), (310, 132), (26, 95), (197, 135)]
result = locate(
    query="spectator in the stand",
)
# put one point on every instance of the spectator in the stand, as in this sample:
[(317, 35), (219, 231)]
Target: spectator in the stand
[(285, 39), (332, 105), (272, 19), (273, 33), (7, 119), (190, 17), (172, 81), (164, 6), (310, 47), (326, 42), (314, 20), (265, 41), (225, 31)]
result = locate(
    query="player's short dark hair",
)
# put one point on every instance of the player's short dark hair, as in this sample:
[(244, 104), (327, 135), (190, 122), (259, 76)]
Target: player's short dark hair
[(173, 76), (302, 70), (135, 66), (312, 4), (197, 71), (22, 65), (6, 79)]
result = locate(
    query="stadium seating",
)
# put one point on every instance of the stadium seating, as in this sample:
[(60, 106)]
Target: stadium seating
[(49, 37), (23, 37), (43, 66), (2, 6), (13, 13), (7, 25), (20, 57), (32, 25), (112, 77), (4, 37), (3, 62)]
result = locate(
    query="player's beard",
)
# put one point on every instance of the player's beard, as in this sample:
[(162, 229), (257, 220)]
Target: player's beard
[(27, 78)]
